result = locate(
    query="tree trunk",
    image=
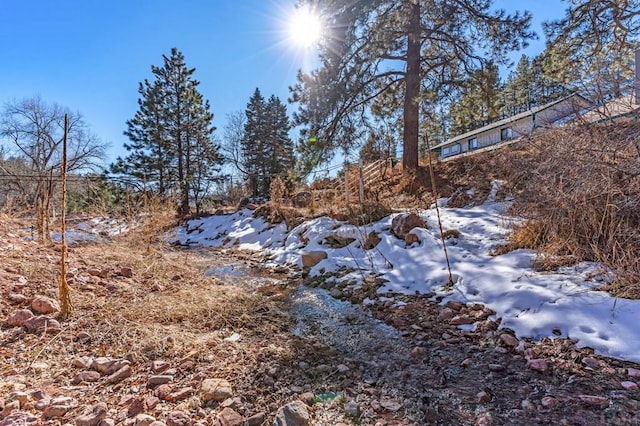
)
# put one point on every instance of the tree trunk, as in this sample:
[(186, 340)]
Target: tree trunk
[(412, 91)]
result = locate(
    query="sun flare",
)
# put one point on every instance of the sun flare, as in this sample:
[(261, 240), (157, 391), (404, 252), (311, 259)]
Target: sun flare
[(305, 28)]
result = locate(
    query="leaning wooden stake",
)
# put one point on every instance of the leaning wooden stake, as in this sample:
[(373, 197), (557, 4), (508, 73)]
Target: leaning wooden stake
[(435, 197), (66, 307)]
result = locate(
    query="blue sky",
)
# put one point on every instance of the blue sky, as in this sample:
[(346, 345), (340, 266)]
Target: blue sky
[(90, 55)]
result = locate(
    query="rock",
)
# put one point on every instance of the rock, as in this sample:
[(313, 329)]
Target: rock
[(56, 410), (527, 405), (411, 238), (461, 319), (530, 353), (537, 364), (402, 224), (9, 408), (633, 372), (455, 305), (228, 417), (83, 337), (342, 368), (501, 350), (352, 409), (308, 398), (82, 362), (302, 199), (496, 367), (445, 314), (418, 352), (178, 418), (17, 298), (21, 397), (44, 305), (483, 397), (163, 392), (151, 401), (144, 420), (372, 240), (119, 375), (102, 364), (97, 414), (85, 377), (182, 394), (391, 404), (19, 419), (590, 362), (215, 390), (295, 413), (159, 366), (19, 317), (158, 380), (126, 272), (509, 340), (596, 401), (107, 422), (257, 419), (548, 401), (466, 363), (136, 406), (312, 258), (630, 386)]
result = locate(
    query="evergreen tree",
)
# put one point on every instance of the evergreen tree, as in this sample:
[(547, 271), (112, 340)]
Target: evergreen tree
[(592, 48), (171, 134), (409, 46), (266, 147)]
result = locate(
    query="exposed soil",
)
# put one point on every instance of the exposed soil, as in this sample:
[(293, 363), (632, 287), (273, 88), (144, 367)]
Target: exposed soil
[(170, 320)]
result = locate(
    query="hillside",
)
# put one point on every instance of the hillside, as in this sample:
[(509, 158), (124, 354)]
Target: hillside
[(318, 321)]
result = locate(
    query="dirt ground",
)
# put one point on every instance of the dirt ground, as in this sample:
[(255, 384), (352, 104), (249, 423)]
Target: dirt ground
[(156, 337)]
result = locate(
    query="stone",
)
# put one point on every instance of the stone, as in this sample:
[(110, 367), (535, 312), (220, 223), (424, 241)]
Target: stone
[(163, 392), (466, 363), (483, 397), (56, 410), (308, 398), (19, 419), (159, 366), (9, 408), (257, 419), (548, 401), (151, 401), (418, 352), (372, 240), (590, 362), (342, 368), (19, 317), (391, 404), (229, 417), (97, 414), (44, 305), (411, 238), (312, 258), (107, 422), (21, 397), (352, 409), (158, 380), (136, 406), (402, 224), (461, 319), (17, 298), (527, 405), (630, 386), (596, 401), (144, 420), (509, 340), (215, 390), (182, 394), (119, 375), (126, 272), (82, 362), (537, 364), (41, 324), (85, 377), (178, 418), (102, 364), (295, 413), (455, 305), (496, 367), (633, 372), (446, 314)]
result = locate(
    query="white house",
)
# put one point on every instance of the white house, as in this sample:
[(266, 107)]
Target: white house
[(513, 127)]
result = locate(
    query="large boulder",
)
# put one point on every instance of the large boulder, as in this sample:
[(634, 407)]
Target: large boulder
[(295, 413), (402, 224), (312, 258)]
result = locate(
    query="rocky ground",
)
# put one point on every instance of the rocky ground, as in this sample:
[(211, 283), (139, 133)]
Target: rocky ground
[(175, 337)]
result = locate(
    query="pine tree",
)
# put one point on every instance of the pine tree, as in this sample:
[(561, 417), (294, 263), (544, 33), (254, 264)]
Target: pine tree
[(409, 46), (267, 148), (171, 134), (592, 48)]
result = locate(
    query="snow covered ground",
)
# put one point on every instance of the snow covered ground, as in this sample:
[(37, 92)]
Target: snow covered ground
[(533, 304)]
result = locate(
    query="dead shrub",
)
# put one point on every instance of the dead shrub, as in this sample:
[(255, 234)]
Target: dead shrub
[(581, 185), (274, 214)]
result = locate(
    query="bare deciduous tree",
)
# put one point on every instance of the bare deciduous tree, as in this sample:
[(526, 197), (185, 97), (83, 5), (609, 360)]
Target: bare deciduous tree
[(34, 130)]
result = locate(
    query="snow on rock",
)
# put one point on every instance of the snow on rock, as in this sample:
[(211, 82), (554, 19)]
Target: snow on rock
[(533, 304)]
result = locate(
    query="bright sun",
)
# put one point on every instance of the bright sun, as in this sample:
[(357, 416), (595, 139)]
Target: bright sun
[(304, 28)]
